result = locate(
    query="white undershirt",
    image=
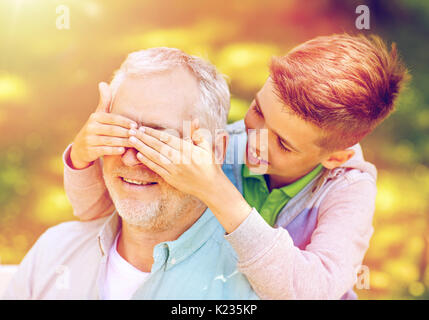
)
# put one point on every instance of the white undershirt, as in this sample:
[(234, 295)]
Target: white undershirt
[(122, 279)]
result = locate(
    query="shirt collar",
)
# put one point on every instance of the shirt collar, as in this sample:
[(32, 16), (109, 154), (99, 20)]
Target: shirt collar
[(178, 250), (192, 239), (108, 233), (290, 190)]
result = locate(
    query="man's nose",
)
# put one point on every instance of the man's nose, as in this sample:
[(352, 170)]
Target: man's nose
[(129, 158)]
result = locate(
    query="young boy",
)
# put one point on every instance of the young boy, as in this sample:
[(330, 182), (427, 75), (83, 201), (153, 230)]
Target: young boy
[(301, 226)]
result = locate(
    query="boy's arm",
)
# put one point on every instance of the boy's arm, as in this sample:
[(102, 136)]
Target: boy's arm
[(86, 190), (327, 268)]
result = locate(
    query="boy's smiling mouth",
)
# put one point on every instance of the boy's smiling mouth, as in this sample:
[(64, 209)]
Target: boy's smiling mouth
[(253, 157)]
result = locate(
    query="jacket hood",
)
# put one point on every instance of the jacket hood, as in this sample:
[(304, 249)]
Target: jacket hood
[(358, 162)]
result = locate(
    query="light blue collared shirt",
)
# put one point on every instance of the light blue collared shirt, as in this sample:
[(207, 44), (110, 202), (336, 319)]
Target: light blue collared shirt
[(200, 264)]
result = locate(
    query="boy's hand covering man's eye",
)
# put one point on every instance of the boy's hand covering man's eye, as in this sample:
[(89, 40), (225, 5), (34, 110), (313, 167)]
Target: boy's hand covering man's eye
[(104, 133), (188, 165)]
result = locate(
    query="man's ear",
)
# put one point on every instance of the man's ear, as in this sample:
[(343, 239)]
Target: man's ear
[(105, 100), (220, 145), (220, 140), (337, 158)]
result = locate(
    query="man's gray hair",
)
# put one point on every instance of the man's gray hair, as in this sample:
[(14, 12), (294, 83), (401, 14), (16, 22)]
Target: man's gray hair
[(214, 91)]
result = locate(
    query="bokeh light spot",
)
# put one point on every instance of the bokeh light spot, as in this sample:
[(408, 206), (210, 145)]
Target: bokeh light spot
[(12, 88), (416, 288)]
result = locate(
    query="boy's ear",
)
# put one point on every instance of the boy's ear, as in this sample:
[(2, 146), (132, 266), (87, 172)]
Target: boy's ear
[(337, 158), (220, 145)]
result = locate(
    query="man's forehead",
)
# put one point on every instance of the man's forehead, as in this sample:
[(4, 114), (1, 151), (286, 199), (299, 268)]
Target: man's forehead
[(157, 101)]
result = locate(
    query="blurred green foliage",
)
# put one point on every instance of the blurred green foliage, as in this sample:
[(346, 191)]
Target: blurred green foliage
[(48, 87)]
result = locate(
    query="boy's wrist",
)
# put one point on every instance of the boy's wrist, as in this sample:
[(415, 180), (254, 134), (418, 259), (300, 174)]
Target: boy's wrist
[(227, 204), (215, 189), (84, 178), (76, 163)]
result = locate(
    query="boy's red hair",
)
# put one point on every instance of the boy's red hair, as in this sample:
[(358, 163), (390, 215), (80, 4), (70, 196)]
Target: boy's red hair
[(344, 84)]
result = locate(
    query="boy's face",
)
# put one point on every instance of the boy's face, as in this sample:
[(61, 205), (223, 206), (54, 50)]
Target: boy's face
[(291, 149)]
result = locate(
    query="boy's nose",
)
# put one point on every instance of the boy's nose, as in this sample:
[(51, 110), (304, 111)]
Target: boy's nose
[(129, 158)]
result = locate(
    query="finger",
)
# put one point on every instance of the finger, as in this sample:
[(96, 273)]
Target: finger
[(195, 125), (164, 137), (105, 97), (109, 141), (150, 153), (200, 141), (166, 150), (108, 130), (114, 119), (153, 166), (107, 151)]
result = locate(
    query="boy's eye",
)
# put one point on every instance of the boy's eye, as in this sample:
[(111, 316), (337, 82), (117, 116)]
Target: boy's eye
[(282, 146), (256, 109), (279, 141)]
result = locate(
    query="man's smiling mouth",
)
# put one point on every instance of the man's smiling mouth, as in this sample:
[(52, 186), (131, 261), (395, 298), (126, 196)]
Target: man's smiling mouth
[(137, 182)]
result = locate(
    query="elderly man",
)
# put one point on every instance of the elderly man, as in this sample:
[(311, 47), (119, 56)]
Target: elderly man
[(160, 243)]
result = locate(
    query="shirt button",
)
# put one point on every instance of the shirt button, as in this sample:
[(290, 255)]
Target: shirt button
[(173, 261)]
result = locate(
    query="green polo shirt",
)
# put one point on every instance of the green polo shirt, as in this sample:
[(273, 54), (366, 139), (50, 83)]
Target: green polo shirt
[(269, 204)]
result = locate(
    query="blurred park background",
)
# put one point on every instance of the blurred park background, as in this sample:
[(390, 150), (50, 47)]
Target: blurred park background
[(48, 87)]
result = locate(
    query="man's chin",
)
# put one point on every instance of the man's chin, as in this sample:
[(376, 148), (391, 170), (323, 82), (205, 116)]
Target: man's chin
[(154, 208), (137, 212)]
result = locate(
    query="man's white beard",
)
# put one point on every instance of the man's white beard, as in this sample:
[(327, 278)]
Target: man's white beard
[(157, 215), (137, 212)]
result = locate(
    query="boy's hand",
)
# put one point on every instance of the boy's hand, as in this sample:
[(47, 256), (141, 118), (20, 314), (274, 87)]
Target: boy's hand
[(188, 165), (104, 133), (200, 175)]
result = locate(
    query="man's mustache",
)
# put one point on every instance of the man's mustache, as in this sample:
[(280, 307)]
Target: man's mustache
[(144, 174)]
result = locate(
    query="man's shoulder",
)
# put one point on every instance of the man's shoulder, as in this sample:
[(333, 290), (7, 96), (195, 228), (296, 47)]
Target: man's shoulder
[(68, 243), (72, 232), (92, 226), (62, 264), (237, 127)]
